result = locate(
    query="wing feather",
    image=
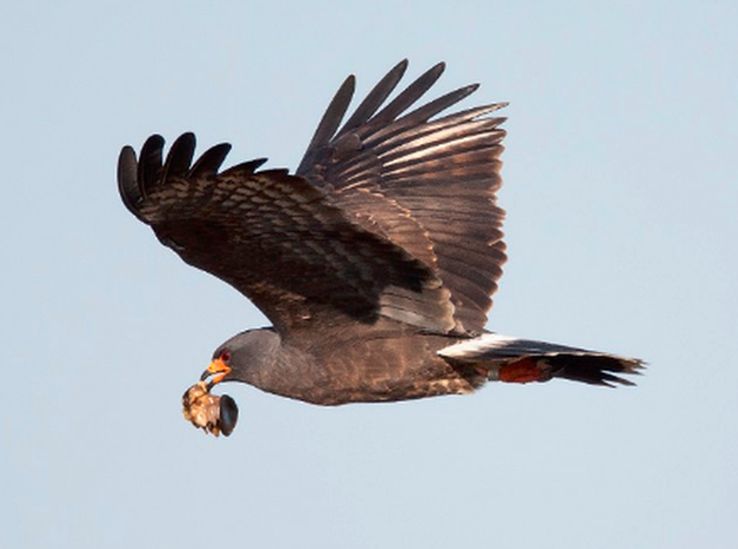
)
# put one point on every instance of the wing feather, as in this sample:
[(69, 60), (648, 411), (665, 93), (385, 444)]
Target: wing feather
[(180, 156), (392, 215), (209, 162), (375, 98), (149, 166), (408, 97), (279, 240), (437, 175), (330, 120), (128, 180)]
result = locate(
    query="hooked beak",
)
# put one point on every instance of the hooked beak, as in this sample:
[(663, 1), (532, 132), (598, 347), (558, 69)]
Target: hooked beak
[(218, 370)]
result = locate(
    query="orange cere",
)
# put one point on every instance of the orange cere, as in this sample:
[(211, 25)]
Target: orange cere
[(220, 369)]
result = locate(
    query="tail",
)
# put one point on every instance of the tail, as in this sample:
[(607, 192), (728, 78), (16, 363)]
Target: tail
[(510, 359)]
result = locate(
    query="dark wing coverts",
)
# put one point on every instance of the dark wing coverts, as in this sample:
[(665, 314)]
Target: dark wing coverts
[(277, 239), (388, 216)]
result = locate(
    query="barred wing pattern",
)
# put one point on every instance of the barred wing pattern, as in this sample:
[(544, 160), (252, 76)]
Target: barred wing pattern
[(277, 239), (428, 184)]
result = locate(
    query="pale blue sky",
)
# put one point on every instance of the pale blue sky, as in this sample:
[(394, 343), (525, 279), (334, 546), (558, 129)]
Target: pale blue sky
[(621, 192)]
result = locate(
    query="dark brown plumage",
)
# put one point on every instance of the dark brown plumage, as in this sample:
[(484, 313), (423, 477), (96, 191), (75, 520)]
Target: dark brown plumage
[(381, 252)]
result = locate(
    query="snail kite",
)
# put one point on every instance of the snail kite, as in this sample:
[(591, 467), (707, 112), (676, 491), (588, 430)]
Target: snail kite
[(375, 261)]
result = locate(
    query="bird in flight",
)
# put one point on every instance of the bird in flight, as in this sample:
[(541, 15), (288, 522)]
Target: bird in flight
[(375, 260)]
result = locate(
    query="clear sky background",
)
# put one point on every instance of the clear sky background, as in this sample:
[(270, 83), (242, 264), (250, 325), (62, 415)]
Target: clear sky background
[(622, 199)]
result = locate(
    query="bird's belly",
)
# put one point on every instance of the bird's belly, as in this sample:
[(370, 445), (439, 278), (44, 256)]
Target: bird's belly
[(380, 370)]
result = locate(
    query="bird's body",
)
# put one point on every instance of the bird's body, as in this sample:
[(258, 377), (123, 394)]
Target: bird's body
[(376, 260), (387, 362)]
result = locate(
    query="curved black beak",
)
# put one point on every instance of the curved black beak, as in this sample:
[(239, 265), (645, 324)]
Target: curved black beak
[(216, 371)]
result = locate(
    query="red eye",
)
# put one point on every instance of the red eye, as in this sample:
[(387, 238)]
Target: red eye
[(225, 356)]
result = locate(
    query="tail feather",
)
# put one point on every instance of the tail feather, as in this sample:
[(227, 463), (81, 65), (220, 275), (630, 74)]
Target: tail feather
[(501, 355)]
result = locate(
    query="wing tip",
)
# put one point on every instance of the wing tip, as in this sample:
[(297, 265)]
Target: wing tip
[(349, 82), (438, 68), (127, 175), (210, 161), (246, 168), (180, 156)]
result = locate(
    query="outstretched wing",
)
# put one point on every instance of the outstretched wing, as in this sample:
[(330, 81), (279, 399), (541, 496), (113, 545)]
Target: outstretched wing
[(277, 239), (428, 184)]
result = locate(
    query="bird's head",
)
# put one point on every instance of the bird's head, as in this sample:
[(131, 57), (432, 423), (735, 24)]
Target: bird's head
[(242, 358)]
